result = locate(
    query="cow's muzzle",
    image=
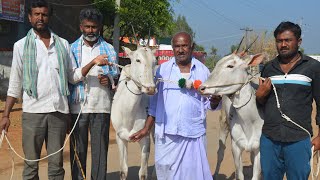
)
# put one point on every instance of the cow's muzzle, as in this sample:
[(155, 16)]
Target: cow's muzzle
[(151, 90)]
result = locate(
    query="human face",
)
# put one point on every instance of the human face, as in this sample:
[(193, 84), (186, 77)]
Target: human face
[(90, 30), (39, 19), (182, 48), (287, 44)]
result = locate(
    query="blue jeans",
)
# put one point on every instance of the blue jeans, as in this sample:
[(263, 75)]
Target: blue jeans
[(291, 158), (99, 124)]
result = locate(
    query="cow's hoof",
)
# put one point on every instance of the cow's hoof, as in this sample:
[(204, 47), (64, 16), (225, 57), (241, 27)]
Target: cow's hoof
[(123, 176), (143, 177)]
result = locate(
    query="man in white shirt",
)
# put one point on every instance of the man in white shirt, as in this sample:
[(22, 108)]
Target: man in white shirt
[(41, 66), (93, 97)]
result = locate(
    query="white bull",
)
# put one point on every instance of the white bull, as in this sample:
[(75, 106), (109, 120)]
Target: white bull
[(129, 106), (231, 79)]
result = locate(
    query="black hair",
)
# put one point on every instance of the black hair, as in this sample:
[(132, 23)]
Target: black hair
[(39, 3), (91, 14), (288, 26)]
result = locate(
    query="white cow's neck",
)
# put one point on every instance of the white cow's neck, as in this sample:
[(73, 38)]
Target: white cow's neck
[(242, 96), (133, 87)]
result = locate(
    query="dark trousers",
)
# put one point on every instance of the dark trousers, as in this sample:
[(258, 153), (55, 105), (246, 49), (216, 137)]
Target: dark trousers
[(99, 124), (279, 158), (36, 129)]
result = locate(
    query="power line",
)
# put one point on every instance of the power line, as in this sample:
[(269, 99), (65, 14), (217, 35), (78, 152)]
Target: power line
[(225, 37), (76, 5), (219, 14)]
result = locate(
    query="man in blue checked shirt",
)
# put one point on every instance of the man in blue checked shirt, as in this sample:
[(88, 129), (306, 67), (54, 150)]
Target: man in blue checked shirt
[(92, 95)]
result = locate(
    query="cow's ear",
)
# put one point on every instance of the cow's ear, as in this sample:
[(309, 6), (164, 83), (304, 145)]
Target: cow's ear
[(127, 51), (255, 60)]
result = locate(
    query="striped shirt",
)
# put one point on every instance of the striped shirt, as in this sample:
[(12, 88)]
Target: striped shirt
[(296, 91)]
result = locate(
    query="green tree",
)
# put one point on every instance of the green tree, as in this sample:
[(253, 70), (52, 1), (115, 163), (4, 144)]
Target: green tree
[(145, 15), (155, 16), (213, 51), (212, 59), (301, 50), (233, 48), (210, 63), (181, 24), (199, 48)]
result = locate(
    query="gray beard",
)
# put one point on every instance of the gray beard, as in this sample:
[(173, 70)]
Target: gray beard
[(90, 39)]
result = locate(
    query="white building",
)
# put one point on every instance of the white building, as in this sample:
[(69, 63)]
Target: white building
[(316, 57)]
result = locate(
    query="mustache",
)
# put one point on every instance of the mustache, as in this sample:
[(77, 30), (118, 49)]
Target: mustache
[(90, 34), (284, 48)]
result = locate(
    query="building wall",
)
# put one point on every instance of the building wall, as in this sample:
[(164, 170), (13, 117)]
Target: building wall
[(64, 22), (65, 19)]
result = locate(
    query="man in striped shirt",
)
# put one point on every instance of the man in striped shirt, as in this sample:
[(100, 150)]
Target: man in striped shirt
[(285, 147)]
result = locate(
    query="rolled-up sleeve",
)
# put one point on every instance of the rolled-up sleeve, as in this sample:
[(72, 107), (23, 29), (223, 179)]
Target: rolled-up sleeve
[(74, 73), (15, 81)]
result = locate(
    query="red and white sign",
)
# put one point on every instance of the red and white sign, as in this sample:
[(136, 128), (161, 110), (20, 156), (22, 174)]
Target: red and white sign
[(166, 55), (12, 10)]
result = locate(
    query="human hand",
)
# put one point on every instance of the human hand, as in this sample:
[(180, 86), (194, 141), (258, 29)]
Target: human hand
[(4, 124), (101, 60), (316, 143), (103, 79), (136, 137), (264, 87)]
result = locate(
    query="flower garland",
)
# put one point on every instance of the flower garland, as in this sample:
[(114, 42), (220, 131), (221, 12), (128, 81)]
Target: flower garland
[(183, 83)]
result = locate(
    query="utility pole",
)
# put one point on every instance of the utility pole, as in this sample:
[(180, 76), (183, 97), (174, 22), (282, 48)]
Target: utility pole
[(116, 30), (246, 34)]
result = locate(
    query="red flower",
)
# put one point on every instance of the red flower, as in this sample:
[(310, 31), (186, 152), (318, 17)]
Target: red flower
[(197, 84)]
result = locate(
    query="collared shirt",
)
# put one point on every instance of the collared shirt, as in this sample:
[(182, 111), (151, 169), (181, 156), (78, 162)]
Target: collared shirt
[(98, 96), (179, 111), (296, 91), (48, 85)]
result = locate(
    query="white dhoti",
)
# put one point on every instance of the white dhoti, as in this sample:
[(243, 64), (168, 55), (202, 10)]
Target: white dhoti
[(181, 158)]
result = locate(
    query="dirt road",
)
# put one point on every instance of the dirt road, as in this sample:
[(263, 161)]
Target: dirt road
[(226, 172)]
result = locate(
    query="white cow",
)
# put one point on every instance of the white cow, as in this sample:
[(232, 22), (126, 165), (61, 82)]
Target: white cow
[(129, 106), (231, 79)]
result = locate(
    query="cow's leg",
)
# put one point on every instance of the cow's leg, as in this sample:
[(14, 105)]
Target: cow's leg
[(256, 165), (223, 134), (236, 151), (123, 152), (145, 151)]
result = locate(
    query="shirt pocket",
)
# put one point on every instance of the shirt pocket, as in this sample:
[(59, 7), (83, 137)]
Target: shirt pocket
[(192, 109), (53, 61)]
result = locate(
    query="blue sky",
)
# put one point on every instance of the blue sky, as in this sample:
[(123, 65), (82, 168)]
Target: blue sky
[(218, 22)]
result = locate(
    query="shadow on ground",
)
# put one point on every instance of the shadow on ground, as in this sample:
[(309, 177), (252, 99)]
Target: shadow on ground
[(247, 171), (133, 173)]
